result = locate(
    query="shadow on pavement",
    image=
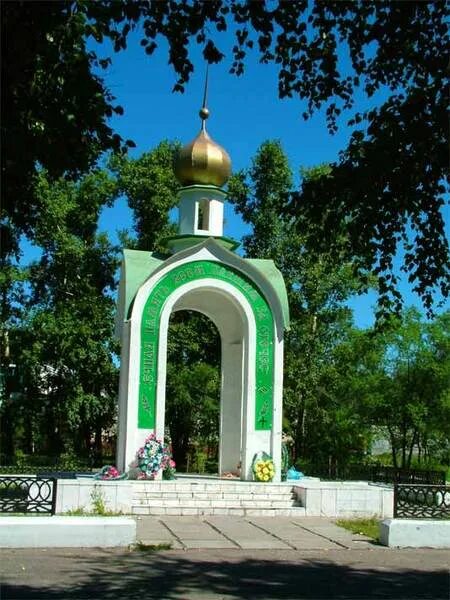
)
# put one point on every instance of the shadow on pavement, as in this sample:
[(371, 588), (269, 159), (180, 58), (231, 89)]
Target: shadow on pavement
[(166, 575)]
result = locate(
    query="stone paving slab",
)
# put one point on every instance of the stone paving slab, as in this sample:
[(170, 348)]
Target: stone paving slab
[(217, 544), (152, 532), (293, 534), (194, 532), (328, 529), (243, 533), (247, 533)]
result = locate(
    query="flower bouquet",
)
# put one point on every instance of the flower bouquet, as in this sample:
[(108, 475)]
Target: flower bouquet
[(169, 471), (154, 456), (263, 467), (110, 473)]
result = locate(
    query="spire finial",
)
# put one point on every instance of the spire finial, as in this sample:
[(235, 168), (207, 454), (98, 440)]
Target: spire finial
[(203, 161), (204, 112)]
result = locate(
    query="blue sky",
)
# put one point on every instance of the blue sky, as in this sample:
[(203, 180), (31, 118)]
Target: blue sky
[(245, 111)]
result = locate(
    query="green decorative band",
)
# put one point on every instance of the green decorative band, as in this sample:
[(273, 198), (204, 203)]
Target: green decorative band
[(151, 318)]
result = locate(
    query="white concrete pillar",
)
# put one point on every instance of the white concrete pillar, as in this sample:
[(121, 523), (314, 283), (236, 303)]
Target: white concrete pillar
[(123, 398), (231, 407)]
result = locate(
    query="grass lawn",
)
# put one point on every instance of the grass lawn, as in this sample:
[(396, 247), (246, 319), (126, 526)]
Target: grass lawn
[(368, 527), (150, 548)]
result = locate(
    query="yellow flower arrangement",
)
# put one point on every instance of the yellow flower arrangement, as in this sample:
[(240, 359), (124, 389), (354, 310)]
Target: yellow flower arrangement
[(264, 470)]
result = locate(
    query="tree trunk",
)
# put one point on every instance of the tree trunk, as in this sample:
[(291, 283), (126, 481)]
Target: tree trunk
[(98, 444), (7, 431), (411, 448), (393, 448)]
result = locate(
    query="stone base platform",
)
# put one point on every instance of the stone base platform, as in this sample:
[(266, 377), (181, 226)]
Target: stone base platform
[(198, 496), (66, 532), (415, 533)]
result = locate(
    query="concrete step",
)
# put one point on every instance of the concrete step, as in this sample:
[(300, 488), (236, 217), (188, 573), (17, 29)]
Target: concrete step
[(234, 511), (213, 489), (234, 485), (214, 502), (211, 496), (214, 498)]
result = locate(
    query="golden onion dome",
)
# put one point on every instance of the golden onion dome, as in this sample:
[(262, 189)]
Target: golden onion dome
[(202, 162)]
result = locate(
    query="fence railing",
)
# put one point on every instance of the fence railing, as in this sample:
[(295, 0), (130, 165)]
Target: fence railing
[(28, 494), (421, 501), (378, 474)]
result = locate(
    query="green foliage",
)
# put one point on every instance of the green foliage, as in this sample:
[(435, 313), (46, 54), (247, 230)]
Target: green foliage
[(63, 340), (98, 506), (150, 187), (367, 527), (197, 460), (399, 380), (70, 462), (56, 108), (387, 187), (98, 501), (321, 425), (61, 333), (151, 548), (193, 384), (192, 397), (341, 385), (80, 511)]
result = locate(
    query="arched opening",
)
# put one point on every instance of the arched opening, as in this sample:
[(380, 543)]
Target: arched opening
[(203, 210), (232, 326), (192, 417)]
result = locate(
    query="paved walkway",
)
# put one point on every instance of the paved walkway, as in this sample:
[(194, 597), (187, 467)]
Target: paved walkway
[(247, 533), (118, 574)]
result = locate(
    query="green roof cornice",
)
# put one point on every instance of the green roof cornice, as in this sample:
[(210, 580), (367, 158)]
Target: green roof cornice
[(177, 243), (138, 266)]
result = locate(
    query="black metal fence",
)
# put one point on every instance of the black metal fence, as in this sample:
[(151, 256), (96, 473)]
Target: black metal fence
[(27, 494), (421, 501), (376, 473)]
